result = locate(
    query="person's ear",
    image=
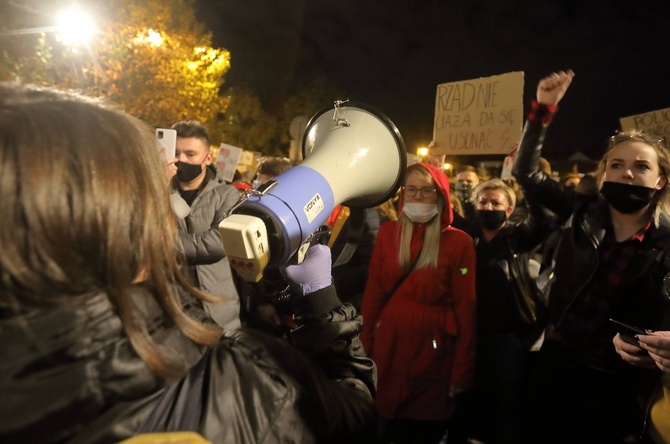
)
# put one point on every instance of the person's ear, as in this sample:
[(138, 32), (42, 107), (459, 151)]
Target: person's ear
[(662, 181), (208, 158), (509, 211)]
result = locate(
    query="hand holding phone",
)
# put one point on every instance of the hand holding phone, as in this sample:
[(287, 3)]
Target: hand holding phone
[(627, 329), (166, 139), (628, 346)]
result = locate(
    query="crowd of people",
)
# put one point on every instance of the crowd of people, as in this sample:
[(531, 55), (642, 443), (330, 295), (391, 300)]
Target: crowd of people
[(479, 310)]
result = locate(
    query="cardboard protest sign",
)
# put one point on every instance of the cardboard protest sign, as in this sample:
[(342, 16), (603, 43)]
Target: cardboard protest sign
[(657, 122), (479, 116), (226, 161)]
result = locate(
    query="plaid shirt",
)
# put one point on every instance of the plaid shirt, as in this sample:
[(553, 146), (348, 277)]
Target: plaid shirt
[(585, 327)]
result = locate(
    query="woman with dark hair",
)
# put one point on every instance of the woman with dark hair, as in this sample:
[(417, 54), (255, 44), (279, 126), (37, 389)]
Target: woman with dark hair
[(609, 263), (103, 336)]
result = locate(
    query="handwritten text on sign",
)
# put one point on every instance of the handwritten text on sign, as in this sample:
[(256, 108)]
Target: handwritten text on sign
[(479, 116), (657, 122)]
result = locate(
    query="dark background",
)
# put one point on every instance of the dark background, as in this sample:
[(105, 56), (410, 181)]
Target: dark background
[(393, 54)]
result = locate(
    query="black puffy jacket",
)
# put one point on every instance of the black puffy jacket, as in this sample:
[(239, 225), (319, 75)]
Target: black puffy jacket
[(70, 374)]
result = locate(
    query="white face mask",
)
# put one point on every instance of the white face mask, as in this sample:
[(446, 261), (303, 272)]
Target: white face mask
[(420, 212)]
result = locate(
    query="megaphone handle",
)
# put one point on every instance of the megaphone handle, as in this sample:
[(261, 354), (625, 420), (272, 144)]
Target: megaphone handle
[(354, 236), (320, 236)]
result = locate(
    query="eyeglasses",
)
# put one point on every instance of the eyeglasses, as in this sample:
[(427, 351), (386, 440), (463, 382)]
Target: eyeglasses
[(411, 191), (637, 135)]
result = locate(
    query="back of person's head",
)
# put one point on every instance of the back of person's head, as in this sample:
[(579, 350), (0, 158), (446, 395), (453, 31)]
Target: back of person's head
[(192, 128), (237, 175), (273, 166), (85, 210)]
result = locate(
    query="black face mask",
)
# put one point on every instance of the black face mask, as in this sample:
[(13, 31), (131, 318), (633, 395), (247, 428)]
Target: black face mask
[(465, 192), (491, 219), (626, 198), (186, 172)]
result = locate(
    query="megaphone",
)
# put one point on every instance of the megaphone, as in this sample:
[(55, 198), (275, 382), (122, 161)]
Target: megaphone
[(354, 155)]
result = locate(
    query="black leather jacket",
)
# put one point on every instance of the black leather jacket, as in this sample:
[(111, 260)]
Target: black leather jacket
[(70, 374), (642, 296), (644, 300), (511, 250)]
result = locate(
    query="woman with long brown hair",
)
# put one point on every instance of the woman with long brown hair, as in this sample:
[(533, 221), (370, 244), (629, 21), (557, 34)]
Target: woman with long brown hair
[(104, 338)]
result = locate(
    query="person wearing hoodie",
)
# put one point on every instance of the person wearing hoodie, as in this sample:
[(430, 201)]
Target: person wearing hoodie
[(419, 311)]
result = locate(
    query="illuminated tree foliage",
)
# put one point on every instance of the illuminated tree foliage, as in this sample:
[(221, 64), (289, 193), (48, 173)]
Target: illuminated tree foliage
[(155, 60), (248, 126), (152, 58)]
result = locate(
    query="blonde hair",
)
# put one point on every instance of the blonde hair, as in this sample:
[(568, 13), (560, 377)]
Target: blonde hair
[(661, 201), (85, 210), (431, 242), (498, 184)]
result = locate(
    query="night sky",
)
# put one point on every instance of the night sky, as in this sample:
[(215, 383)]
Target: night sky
[(393, 54)]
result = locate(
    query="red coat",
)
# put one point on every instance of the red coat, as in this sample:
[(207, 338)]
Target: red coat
[(421, 338)]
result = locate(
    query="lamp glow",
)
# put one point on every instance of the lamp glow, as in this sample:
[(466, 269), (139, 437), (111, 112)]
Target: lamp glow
[(75, 27)]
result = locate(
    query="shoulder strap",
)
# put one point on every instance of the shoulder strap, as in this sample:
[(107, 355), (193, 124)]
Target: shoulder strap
[(404, 276)]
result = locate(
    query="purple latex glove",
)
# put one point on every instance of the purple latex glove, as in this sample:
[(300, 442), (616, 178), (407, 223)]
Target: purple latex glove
[(314, 272)]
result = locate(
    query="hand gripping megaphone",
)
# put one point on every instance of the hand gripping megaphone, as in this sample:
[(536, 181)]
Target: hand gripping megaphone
[(354, 155)]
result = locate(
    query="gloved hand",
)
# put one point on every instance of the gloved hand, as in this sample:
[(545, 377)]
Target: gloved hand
[(313, 273)]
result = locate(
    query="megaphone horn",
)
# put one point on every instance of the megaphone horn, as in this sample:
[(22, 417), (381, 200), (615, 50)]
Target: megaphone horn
[(354, 155)]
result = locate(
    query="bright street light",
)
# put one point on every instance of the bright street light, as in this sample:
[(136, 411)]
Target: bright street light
[(75, 27), (422, 152)]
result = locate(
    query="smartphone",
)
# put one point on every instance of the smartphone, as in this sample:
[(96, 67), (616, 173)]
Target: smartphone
[(166, 138), (626, 329)]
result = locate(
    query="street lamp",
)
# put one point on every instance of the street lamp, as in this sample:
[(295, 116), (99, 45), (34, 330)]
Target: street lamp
[(75, 27), (422, 152)]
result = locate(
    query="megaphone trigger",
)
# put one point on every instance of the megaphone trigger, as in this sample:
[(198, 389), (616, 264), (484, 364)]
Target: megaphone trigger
[(320, 236)]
